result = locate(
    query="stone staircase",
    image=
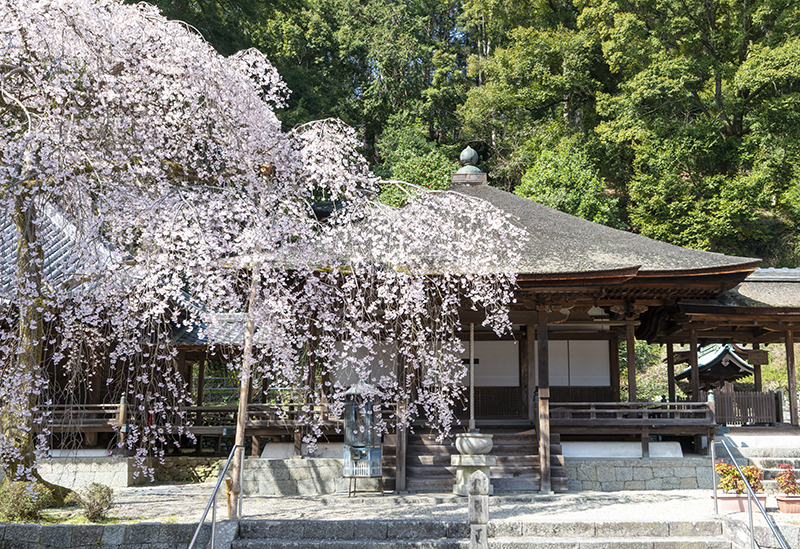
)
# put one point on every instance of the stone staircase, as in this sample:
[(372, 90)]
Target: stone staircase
[(767, 459), (428, 466), (402, 534)]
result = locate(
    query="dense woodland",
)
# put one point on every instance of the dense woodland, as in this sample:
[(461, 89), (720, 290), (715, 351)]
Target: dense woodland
[(676, 119)]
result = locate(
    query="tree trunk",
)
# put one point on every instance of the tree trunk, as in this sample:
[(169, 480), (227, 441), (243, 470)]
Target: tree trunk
[(16, 418)]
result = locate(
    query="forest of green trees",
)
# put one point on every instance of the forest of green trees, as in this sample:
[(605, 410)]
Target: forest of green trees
[(676, 119)]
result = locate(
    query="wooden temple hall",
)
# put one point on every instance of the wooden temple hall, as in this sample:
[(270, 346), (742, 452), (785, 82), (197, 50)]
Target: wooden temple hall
[(583, 291)]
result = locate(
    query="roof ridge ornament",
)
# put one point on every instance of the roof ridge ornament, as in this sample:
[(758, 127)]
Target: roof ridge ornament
[(469, 173)]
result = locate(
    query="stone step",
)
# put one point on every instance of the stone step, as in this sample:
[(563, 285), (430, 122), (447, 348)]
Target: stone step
[(431, 484), (321, 534), (773, 462)]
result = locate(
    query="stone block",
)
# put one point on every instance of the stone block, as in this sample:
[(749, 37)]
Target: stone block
[(56, 536), (114, 535), (411, 529), (642, 473), (634, 485), (87, 535), (606, 473), (685, 472), (663, 472), (457, 530), (624, 473), (614, 486), (693, 529), (505, 528), (587, 473), (264, 529), (558, 529), (574, 485), (334, 529), (29, 533), (592, 486), (370, 530), (671, 483), (141, 533), (654, 484), (705, 477), (632, 529), (688, 483)]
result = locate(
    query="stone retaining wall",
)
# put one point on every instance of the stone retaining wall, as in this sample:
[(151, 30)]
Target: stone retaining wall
[(188, 469), (298, 477), (610, 475), (78, 472), (109, 536)]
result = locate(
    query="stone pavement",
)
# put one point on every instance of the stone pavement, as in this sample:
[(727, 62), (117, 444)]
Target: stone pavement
[(186, 502)]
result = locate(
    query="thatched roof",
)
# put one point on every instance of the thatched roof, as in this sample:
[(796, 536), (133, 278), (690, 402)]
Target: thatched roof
[(562, 243)]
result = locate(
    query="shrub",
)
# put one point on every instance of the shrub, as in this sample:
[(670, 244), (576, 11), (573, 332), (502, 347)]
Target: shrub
[(24, 501), (787, 481), (731, 482), (96, 499)]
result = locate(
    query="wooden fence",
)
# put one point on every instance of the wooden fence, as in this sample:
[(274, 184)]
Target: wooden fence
[(747, 407)]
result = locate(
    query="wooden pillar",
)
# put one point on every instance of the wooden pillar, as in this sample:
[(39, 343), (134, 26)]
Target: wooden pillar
[(530, 344), (694, 365), (613, 352), (523, 374), (201, 381), (671, 372), (791, 372), (402, 433), (757, 371), (544, 402), (630, 339)]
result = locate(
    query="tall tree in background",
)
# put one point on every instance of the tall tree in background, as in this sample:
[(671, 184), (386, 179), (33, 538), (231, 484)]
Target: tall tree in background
[(707, 104)]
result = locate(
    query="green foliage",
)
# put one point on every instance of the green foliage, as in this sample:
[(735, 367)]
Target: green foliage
[(96, 500), (564, 179), (651, 372), (679, 120), (731, 482), (23, 501)]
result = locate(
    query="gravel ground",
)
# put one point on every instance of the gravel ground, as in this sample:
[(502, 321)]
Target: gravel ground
[(186, 503)]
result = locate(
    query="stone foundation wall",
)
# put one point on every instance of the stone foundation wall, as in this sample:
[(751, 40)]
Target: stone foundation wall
[(116, 472), (610, 475), (188, 469), (298, 477), (111, 536)]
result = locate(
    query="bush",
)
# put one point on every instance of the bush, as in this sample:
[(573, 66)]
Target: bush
[(731, 482), (96, 499), (787, 481), (24, 501)]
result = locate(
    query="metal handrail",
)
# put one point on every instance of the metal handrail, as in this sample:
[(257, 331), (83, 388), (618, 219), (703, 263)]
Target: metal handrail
[(751, 496), (212, 502)]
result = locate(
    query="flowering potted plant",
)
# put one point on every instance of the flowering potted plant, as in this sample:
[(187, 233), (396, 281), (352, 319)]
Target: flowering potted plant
[(789, 501), (735, 496)]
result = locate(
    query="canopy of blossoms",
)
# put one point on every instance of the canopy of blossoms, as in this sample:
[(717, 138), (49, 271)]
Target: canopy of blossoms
[(146, 186)]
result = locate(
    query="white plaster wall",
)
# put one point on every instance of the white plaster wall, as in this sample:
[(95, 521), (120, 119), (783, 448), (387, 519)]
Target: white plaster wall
[(589, 364), (620, 450), (498, 363), (285, 450), (577, 363)]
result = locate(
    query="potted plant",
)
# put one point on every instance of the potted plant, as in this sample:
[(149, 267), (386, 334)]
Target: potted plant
[(734, 498), (789, 502)]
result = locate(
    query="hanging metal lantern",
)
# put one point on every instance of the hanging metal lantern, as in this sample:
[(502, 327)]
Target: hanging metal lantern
[(362, 441)]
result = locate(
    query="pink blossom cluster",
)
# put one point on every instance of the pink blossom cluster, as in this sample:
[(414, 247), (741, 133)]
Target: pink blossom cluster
[(149, 188)]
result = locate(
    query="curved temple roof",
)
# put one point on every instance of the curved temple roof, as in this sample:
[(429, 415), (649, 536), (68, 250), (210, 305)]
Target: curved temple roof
[(562, 243)]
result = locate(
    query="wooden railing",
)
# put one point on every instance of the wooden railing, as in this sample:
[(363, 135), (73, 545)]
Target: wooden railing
[(79, 416), (747, 407), (621, 414)]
